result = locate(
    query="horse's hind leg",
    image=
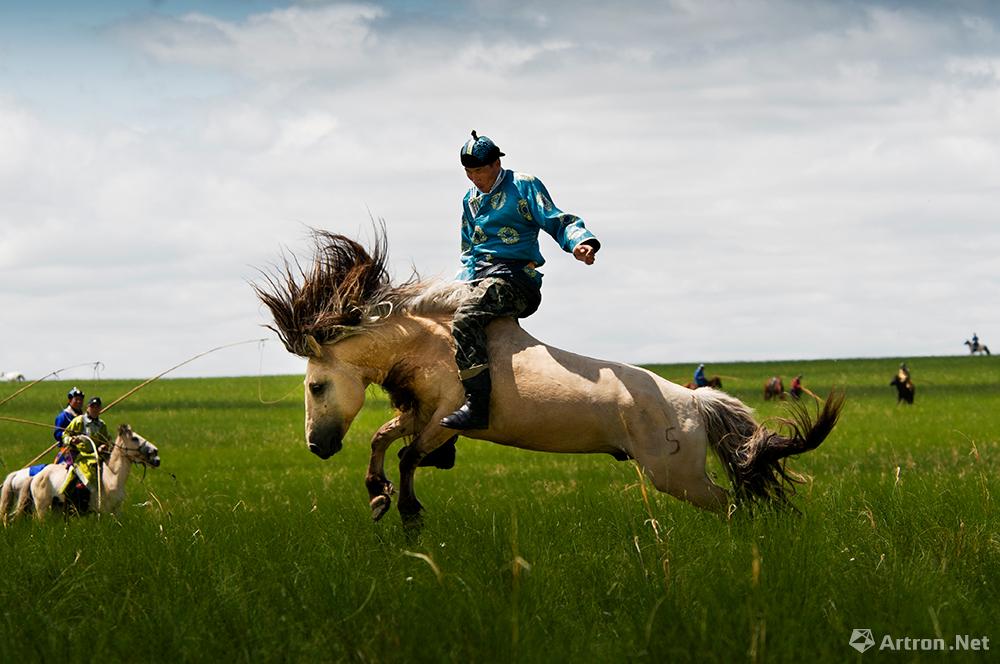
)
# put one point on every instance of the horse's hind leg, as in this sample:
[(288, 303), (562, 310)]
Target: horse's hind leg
[(692, 485), (5, 499), (24, 498), (675, 463), (701, 492), (379, 487), (40, 491)]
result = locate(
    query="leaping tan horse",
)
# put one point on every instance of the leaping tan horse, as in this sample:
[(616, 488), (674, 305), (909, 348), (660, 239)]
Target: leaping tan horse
[(357, 328)]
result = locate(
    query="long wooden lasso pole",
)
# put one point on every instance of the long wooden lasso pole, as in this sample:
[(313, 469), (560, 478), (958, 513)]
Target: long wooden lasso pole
[(124, 396), (53, 373), (176, 366)]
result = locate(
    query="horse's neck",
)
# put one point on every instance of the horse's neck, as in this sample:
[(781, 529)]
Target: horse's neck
[(114, 475), (406, 338)]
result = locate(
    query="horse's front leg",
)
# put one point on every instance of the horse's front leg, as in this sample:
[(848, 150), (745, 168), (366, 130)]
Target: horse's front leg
[(430, 438), (379, 487)]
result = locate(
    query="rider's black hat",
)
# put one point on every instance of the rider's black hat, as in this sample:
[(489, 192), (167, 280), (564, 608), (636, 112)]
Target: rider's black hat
[(96, 401), (75, 392), (479, 151)]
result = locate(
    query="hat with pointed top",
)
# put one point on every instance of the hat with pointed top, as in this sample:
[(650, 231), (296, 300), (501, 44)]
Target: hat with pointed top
[(479, 151)]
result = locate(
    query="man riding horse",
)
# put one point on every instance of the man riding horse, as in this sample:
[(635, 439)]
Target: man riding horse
[(501, 216), (84, 440), (903, 384), (975, 347)]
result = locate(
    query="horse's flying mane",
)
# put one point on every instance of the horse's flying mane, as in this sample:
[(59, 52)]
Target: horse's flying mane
[(346, 290)]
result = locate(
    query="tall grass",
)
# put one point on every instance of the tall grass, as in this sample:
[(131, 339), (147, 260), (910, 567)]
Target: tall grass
[(245, 547)]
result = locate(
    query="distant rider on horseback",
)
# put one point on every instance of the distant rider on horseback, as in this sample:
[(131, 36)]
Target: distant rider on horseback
[(699, 376), (796, 390), (83, 455), (501, 216)]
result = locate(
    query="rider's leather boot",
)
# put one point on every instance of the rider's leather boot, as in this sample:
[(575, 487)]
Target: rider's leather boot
[(475, 412)]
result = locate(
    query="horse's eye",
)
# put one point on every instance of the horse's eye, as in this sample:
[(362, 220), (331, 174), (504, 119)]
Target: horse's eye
[(317, 388), (135, 439)]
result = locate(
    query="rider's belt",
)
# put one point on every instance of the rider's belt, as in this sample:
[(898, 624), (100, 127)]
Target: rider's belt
[(503, 265)]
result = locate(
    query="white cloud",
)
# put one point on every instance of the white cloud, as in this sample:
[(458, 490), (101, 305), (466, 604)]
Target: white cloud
[(769, 179), (276, 42)]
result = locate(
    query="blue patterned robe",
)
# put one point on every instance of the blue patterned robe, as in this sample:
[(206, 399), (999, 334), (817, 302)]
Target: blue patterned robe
[(504, 225)]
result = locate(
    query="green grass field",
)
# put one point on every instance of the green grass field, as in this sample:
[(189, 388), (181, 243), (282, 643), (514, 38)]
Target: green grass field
[(243, 546)]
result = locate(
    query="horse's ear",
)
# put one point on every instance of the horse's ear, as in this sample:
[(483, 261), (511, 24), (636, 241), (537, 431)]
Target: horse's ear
[(124, 430), (380, 311), (313, 347)]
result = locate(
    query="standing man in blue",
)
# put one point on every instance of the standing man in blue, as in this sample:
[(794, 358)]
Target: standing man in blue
[(501, 216), (74, 408)]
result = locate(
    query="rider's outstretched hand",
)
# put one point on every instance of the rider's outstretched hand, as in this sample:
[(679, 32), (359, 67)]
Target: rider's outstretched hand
[(585, 252)]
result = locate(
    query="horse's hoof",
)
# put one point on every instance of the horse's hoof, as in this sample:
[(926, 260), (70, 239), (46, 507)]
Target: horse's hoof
[(413, 525), (380, 505)]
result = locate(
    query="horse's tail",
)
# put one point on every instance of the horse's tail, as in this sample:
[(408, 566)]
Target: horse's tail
[(751, 454), (5, 498)]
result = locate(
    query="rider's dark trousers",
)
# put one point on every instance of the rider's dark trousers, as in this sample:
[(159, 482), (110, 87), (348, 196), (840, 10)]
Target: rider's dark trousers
[(497, 294)]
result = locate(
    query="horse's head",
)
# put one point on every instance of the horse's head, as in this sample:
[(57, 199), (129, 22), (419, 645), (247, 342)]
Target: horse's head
[(335, 392), (136, 448), (324, 313)]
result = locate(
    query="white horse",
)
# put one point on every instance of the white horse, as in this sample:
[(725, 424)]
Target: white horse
[(16, 486), (11, 377), (42, 489), (977, 347)]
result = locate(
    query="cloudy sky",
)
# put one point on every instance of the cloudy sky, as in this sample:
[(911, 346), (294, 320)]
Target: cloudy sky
[(770, 179)]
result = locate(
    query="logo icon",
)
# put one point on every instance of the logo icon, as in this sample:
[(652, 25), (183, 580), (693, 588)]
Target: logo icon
[(862, 640)]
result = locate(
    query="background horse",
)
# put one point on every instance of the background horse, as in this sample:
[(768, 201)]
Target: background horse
[(356, 328), (41, 490), (977, 347), (774, 388), (714, 382), (905, 390)]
